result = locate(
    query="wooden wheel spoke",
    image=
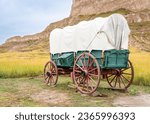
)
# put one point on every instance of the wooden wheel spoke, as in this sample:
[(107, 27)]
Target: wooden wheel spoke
[(81, 83), (81, 62), (77, 77), (85, 89), (122, 81), (48, 80), (91, 86), (88, 61), (86, 85), (47, 69), (82, 80), (110, 75), (125, 69), (113, 79), (53, 69), (92, 80), (85, 81), (48, 66), (77, 71), (91, 63), (119, 82), (115, 82), (84, 61), (77, 74), (125, 78), (92, 70), (126, 73), (94, 75), (53, 81), (54, 73), (79, 67), (46, 77)]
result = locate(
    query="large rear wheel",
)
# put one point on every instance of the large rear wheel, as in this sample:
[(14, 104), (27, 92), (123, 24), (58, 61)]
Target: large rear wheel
[(86, 73)]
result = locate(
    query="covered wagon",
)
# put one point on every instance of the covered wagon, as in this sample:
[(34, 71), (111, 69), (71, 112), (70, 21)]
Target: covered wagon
[(90, 51)]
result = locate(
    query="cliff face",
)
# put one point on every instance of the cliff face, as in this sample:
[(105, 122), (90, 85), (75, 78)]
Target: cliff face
[(88, 7), (137, 12)]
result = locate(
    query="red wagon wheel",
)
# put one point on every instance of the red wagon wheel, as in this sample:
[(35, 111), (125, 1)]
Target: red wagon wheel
[(121, 78), (86, 73), (50, 73)]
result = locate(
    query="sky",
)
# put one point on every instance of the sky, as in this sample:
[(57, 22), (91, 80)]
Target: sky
[(24, 17)]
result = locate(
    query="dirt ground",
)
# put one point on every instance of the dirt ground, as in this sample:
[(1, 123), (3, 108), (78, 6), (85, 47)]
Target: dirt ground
[(54, 97), (133, 101), (32, 92)]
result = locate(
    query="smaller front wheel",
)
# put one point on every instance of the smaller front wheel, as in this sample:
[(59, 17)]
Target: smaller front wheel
[(50, 73)]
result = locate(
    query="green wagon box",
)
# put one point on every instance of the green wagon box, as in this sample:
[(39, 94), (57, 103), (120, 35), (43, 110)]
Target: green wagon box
[(55, 58), (67, 59), (64, 60), (116, 58), (98, 55)]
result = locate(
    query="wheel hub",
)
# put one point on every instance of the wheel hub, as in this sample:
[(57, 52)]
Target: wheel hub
[(49, 73), (118, 71), (85, 72)]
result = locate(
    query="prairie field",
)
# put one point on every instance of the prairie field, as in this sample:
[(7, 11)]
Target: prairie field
[(29, 64), (141, 64), (14, 65)]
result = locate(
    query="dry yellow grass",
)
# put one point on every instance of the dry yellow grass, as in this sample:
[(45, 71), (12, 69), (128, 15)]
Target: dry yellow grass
[(30, 64), (141, 63), (22, 64)]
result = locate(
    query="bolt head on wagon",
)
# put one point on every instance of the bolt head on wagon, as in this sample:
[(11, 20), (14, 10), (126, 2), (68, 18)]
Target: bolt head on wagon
[(91, 51)]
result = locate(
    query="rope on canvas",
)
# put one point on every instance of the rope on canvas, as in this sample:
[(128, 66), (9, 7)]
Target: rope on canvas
[(98, 37)]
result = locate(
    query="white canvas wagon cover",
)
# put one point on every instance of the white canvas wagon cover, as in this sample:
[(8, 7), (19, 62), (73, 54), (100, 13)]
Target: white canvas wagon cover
[(99, 34)]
